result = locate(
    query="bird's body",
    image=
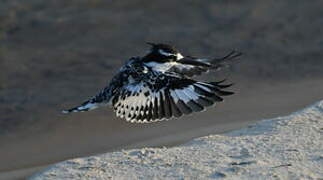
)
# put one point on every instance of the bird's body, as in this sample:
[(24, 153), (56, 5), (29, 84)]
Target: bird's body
[(158, 86)]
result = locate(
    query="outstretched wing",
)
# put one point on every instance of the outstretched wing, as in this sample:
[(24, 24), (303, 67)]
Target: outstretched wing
[(165, 97), (191, 66)]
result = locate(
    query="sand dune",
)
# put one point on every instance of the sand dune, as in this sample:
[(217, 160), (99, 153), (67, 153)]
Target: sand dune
[(287, 147)]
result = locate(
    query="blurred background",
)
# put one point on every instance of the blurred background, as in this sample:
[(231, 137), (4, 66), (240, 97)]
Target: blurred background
[(56, 54)]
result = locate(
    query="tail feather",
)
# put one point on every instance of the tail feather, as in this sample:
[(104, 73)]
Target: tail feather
[(84, 107)]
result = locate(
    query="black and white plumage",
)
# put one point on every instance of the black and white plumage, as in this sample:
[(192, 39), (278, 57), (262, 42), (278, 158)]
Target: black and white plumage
[(158, 86)]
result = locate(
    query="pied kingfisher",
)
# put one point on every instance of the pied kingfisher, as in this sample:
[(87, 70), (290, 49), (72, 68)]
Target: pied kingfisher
[(158, 86)]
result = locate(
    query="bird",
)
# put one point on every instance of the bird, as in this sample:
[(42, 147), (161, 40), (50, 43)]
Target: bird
[(160, 86)]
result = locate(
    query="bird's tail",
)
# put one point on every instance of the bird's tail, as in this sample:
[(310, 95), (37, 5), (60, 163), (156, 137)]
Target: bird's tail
[(86, 106)]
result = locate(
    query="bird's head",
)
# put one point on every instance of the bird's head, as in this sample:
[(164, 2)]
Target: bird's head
[(162, 52)]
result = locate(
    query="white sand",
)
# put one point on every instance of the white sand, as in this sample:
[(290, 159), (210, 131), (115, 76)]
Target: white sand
[(288, 147)]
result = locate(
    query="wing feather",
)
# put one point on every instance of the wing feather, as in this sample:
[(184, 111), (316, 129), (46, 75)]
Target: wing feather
[(191, 66), (143, 102), (173, 100)]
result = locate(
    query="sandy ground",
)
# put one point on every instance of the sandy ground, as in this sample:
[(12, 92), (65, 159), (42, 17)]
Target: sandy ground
[(287, 147)]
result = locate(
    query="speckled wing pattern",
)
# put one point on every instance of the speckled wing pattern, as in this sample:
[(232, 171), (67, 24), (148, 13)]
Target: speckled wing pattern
[(165, 96)]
